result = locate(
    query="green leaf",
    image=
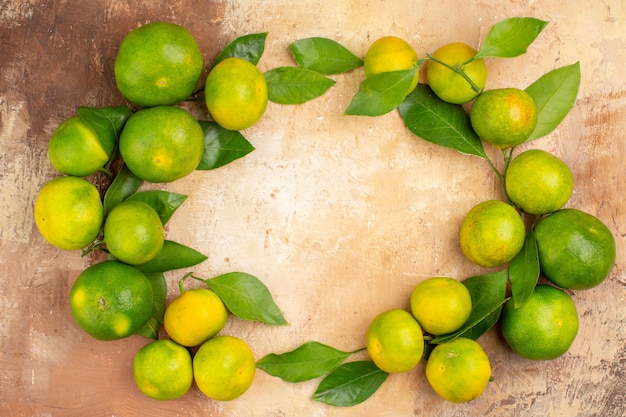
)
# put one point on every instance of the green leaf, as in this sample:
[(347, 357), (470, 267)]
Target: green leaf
[(246, 297), (488, 293), (124, 184), (249, 47), (510, 37), (554, 94), (439, 122), (293, 85), (524, 271), (350, 384), (221, 146), (173, 255), (164, 203), (381, 93), (308, 361), (323, 55), (159, 289), (106, 122)]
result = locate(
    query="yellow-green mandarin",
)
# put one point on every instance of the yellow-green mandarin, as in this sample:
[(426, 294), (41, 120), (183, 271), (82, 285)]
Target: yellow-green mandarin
[(449, 85), (162, 144), (458, 371), (492, 233), (395, 341), (224, 368), (69, 212), (441, 305), (236, 94), (195, 316), (75, 149), (576, 250), (544, 327), (538, 182), (163, 370), (504, 117), (159, 63), (133, 232), (110, 300), (390, 53)]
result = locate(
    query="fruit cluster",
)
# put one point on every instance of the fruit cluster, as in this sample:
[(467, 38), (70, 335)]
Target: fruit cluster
[(157, 66), (527, 234)]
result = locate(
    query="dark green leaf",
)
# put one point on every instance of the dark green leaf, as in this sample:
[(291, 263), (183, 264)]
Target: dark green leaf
[(246, 297), (221, 146), (524, 271), (510, 37), (310, 360), (172, 256), (350, 384), (488, 293), (164, 203), (106, 122), (324, 56), (124, 184), (381, 93), (159, 289), (249, 47), (293, 85), (555, 94), (441, 123)]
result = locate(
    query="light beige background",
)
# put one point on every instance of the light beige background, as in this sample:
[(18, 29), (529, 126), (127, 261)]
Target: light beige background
[(340, 216)]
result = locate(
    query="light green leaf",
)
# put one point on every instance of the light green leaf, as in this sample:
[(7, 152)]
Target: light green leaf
[(323, 55), (292, 85), (555, 95)]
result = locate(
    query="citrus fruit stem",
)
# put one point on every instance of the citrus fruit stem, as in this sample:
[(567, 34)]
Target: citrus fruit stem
[(92, 246), (458, 71)]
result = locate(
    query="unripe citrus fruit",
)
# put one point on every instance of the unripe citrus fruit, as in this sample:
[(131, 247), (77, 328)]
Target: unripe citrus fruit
[(69, 212), (395, 341), (162, 144), (75, 149), (236, 93), (449, 85), (390, 53), (458, 371), (441, 305), (544, 327), (492, 233), (111, 300), (195, 316), (538, 182), (504, 117), (576, 250), (224, 368), (159, 63), (163, 370), (133, 232)]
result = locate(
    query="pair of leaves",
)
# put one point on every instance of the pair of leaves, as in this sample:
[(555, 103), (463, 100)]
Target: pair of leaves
[(344, 384), (315, 57), (286, 85)]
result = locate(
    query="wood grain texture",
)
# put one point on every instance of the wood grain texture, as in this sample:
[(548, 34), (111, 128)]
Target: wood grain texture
[(340, 216)]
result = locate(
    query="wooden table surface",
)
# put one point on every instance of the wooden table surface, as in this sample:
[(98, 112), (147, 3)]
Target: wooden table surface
[(339, 216)]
